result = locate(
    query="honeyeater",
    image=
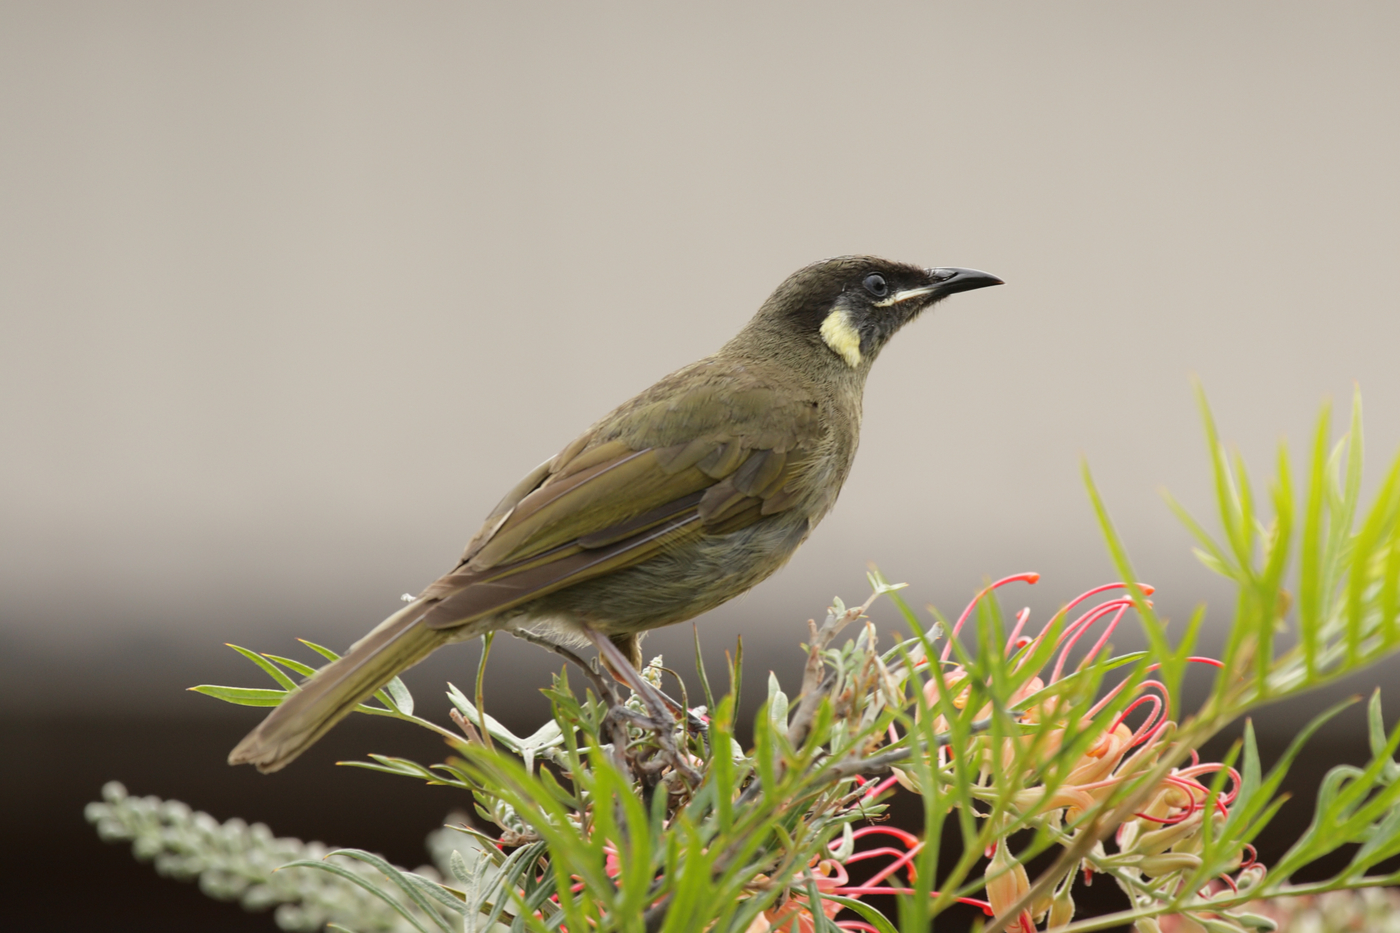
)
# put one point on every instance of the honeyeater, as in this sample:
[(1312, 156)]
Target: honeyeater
[(675, 502)]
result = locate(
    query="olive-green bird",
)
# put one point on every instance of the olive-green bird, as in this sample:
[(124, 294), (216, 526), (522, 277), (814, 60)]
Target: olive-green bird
[(677, 501)]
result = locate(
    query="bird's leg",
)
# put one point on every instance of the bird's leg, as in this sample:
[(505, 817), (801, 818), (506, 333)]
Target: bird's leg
[(621, 667), (630, 644), (658, 719), (631, 647)]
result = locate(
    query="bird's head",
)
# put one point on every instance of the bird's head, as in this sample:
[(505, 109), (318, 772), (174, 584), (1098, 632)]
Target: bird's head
[(849, 307)]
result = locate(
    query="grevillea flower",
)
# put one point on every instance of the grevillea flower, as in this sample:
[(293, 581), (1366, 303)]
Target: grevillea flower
[(795, 914), (1161, 840), (1007, 883), (894, 854)]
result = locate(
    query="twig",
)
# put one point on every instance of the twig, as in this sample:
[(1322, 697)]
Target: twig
[(815, 683), (605, 689)]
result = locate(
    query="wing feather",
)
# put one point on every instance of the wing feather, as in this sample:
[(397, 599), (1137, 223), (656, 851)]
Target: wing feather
[(620, 494), (480, 597)]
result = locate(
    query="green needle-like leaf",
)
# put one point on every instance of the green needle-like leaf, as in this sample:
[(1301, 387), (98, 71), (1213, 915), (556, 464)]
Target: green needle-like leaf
[(242, 696), (267, 666)]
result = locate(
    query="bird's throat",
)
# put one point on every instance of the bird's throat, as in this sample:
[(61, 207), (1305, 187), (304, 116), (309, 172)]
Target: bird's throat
[(841, 336)]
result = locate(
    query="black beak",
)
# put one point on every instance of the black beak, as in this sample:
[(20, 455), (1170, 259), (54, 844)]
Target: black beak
[(949, 280)]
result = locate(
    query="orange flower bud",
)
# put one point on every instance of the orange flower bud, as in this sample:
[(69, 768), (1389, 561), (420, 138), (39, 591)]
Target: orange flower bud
[(1007, 883), (1105, 754), (1061, 910)]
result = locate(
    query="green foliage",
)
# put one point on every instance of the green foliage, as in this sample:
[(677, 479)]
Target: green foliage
[(611, 818), (237, 861)]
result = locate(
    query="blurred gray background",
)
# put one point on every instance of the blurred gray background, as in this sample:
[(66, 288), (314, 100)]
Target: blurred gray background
[(291, 293)]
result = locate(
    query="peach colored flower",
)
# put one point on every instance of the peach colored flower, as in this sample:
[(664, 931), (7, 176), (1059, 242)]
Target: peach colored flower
[(1007, 883)]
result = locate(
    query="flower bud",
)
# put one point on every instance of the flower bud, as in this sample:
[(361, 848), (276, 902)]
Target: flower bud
[(1251, 876), (1160, 840), (1007, 883), (1221, 923), (1061, 909), (906, 780), (1102, 757), (1040, 906), (1156, 865)]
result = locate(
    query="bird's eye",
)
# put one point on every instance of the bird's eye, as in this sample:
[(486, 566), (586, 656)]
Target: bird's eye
[(875, 285)]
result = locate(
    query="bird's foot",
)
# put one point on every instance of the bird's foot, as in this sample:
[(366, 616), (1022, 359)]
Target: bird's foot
[(648, 719), (650, 751), (651, 717)]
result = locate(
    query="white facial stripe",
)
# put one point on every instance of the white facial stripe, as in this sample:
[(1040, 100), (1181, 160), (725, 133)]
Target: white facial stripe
[(842, 337), (905, 295)]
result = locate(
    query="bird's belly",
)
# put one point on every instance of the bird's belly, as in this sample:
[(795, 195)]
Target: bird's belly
[(677, 584)]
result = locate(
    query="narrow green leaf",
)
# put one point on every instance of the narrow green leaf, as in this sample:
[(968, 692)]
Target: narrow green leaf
[(267, 666), (821, 922), (394, 766), (1172, 669), (1320, 837), (1310, 566), (1280, 545), (736, 669), (400, 879), (1215, 565), (1251, 775), (700, 671), (1356, 799), (469, 711), (242, 696), (305, 670), (764, 752), (322, 650), (1211, 841), (1226, 496), (436, 892), (693, 883), (869, 914), (1375, 724), (1246, 514), (359, 882), (722, 778), (1384, 842), (1246, 816), (1369, 554), (1208, 552), (398, 693), (1390, 586), (777, 703), (510, 877), (911, 618)]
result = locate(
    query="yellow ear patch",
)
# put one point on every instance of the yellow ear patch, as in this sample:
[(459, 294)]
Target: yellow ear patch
[(843, 338)]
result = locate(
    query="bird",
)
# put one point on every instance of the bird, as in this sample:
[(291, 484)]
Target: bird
[(678, 500)]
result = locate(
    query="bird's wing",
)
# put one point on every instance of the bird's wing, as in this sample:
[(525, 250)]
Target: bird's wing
[(604, 505)]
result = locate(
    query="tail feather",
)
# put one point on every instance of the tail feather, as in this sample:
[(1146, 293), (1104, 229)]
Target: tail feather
[(399, 642)]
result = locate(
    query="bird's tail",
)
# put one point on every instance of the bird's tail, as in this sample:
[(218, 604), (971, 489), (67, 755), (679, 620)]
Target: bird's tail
[(307, 713)]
